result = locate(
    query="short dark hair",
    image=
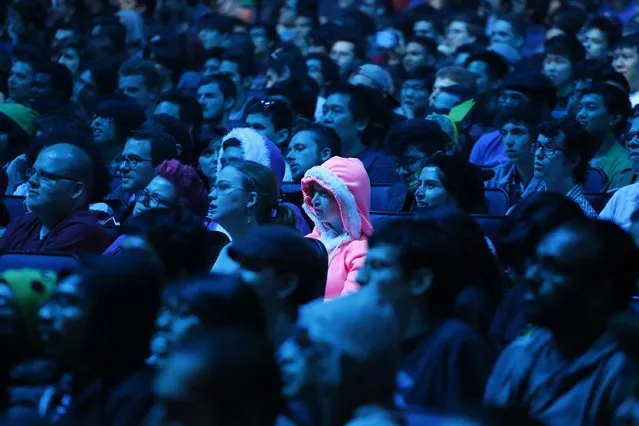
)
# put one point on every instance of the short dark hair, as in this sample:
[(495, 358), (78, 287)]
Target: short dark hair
[(61, 78), (269, 29), (474, 24), (128, 116), (213, 21), (578, 143), (163, 145), (425, 244), (463, 180), (428, 44), (280, 114), (610, 26), (79, 44), (569, 18), (105, 75), (325, 137), (190, 108), (114, 30), (613, 259), (615, 100), (630, 41), (146, 69), (424, 74), (244, 61), (288, 55), (594, 70), (32, 12), (568, 46), (224, 84), (517, 23), (528, 115), (497, 66), (330, 70), (426, 135)]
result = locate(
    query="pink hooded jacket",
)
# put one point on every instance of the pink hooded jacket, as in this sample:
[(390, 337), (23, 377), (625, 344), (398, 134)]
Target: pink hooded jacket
[(346, 179)]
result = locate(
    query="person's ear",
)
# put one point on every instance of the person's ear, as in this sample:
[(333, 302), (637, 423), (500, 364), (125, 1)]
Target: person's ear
[(286, 285), (421, 281), (78, 189), (325, 154), (179, 149), (286, 74), (229, 103), (361, 124), (282, 137), (251, 199), (247, 81), (614, 120)]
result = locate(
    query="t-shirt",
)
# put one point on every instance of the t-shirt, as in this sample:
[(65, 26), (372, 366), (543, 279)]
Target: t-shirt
[(489, 151), (79, 233), (379, 166), (616, 165), (445, 368)]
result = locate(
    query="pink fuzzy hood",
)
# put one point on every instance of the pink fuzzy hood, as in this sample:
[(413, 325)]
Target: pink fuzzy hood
[(346, 179)]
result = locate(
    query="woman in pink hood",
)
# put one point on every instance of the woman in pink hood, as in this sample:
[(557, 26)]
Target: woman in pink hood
[(337, 197)]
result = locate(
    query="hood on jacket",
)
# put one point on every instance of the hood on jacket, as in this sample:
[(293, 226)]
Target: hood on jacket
[(256, 148), (346, 179)]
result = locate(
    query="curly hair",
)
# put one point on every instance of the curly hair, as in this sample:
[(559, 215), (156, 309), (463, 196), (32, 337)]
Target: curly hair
[(192, 194)]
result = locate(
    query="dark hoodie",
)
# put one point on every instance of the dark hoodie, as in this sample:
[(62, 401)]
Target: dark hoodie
[(123, 297)]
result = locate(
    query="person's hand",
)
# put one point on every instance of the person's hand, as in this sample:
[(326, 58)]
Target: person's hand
[(405, 111), (16, 172)]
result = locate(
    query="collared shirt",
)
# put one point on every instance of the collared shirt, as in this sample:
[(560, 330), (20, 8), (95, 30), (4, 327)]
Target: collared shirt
[(507, 178), (622, 205), (576, 194)]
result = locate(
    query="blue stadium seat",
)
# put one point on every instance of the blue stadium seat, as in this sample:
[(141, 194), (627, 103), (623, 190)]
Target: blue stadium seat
[(47, 261), (420, 416), (288, 187), (490, 225), (596, 180), (597, 200), (497, 201), (379, 197), (14, 205), (379, 218)]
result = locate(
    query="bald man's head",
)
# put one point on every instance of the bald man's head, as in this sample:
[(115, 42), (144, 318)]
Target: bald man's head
[(73, 160)]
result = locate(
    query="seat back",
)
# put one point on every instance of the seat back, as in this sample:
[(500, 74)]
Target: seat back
[(14, 206), (47, 261), (597, 200), (490, 225), (379, 218), (497, 201), (288, 187), (379, 197), (596, 180)]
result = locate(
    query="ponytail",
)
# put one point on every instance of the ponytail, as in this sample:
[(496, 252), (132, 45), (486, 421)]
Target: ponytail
[(284, 215)]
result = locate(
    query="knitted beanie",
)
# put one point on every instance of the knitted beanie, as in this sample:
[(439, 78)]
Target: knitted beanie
[(22, 116)]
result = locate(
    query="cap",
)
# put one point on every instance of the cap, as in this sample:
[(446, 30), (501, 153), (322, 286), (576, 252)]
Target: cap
[(536, 85), (506, 51), (377, 75)]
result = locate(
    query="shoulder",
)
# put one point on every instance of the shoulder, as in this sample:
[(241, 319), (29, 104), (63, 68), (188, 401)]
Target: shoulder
[(356, 248)]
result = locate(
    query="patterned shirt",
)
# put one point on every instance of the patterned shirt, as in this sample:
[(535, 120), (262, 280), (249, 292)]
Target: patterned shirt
[(576, 194)]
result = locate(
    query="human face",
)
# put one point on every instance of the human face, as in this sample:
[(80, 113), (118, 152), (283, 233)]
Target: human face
[(431, 191), (159, 194), (343, 54), (444, 102), (480, 69), (559, 69), (104, 131), (208, 160), (178, 398), (596, 44), (61, 34), (509, 99), (20, 81), (458, 35), (262, 125), (136, 166), (425, 29), (211, 67), (325, 207), (555, 277), (211, 38), (336, 114), (232, 71), (408, 165), (414, 96), (85, 91), (382, 273), (173, 322), (632, 144), (551, 164), (52, 184), (70, 59), (438, 85), (415, 56), (626, 61), (228, 197), (260, 40), (303, 27), (212, 102), (41, 87), (8, 312), (303, 153), (516, 139), (578, 89), (503, 33), (314, 70), (167, 108), (64, 319), (134, 87), (592, 114)]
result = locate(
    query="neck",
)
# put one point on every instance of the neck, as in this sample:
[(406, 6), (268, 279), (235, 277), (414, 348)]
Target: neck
[(281, 325), (240, 100), (574, 341), (414, 321), (353, 149), (607, 142), (634, 85), (561, 186), (564, 91), (237, 231), (110, 152), (525, 170)]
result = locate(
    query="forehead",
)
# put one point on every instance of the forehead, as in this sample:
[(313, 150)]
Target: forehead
[(344, 46), (228, 66), (159, 185), (256, 117), (313, 63), (510, 125), (423, 25), (592, 98), (131, 80), (212, 61), (478, 67), (208, 88), (627, 50), (513, 94), (596, 33), (137, 146), (458, 25), (304, 137), (20, 66), (338, 99), (413, 150), (229, 174), (55, 159), (557, 57), (413, 46), (384, 251), (430, 173), (564, 244), (443, 82), (501, 25), (168, 108)]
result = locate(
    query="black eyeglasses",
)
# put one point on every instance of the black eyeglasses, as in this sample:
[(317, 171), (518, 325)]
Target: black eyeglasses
[(46, 177), (153, 201), (131, 162), (548, 150), (629, 137)]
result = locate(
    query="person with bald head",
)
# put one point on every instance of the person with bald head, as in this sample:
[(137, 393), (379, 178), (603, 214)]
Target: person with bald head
[(67, 175)]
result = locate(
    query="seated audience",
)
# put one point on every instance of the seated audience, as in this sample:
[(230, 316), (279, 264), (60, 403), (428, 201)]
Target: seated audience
[(582, 274), (311, 145), (337, 199), (67, 175)]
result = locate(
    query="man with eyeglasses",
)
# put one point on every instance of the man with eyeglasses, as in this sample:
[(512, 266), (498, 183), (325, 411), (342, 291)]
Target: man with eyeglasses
[(65, 178), (562, 153), (623, 203), (412, 143)]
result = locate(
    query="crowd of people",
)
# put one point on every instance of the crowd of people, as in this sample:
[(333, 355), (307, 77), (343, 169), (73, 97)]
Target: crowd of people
[(283, 212)]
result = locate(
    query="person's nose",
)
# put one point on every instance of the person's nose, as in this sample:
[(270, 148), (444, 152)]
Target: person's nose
[(163, 321), (581, 114), (315, 200), (419, 194), (508, 142)]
